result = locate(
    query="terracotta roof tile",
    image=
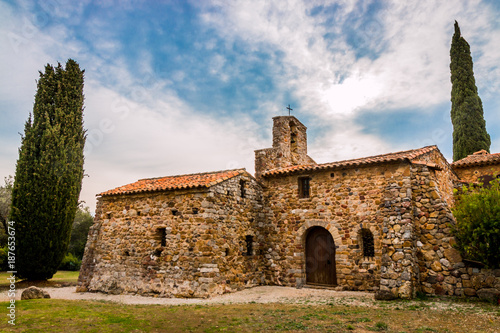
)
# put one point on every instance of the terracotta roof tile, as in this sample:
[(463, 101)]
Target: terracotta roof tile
[(481, 157), (391, 157), (196, 180)]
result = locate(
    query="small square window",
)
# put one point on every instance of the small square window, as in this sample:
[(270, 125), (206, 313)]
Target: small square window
[(304, 187)]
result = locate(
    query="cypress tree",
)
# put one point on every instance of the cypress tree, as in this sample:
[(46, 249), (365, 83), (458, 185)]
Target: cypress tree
[(49, 172), (469, 126)]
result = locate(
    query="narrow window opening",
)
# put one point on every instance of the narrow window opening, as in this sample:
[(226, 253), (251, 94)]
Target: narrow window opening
[(332, 175), (162, 235), (175, 212), (367, 243), (242, 188), (226, 251), (249, 241), (304, 187), (293, 137), (109, 216)]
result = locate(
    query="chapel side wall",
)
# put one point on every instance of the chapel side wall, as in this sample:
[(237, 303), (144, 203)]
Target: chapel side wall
[(474, 172), (242, 217), (199, 226), (343, 201), (442, 269)]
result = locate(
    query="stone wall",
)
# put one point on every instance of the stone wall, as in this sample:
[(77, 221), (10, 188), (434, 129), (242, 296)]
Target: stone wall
[(399, 265), (474, 172), (442, 270), (190, 243), (342, 201), (446, 177)]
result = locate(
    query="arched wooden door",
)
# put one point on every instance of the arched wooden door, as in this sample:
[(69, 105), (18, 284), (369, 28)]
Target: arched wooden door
[(320, 257)]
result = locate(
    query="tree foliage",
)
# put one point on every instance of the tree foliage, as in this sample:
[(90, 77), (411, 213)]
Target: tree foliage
[(5, 200), (469, 126), (477, 231), (79, 232), (49, 172)]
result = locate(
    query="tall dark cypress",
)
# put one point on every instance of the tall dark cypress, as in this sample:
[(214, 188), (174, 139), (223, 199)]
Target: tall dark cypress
[(49, 172), (469, 126)]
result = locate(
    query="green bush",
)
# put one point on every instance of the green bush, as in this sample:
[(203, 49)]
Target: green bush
[(79, 231), (70, 263), (3, 258), (477, 230)]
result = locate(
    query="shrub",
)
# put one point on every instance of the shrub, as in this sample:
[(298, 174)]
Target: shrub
[(477, 230), (79, 231), (70, 263), (3, 258)]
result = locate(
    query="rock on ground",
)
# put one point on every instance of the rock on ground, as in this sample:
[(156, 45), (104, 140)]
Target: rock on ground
[(489, 294), (33, 293)]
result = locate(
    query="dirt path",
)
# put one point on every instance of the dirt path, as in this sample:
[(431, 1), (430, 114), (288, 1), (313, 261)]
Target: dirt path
[(263, 294)]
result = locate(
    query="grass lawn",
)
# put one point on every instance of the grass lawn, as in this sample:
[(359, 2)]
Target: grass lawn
[(50, 315), (64, 277)]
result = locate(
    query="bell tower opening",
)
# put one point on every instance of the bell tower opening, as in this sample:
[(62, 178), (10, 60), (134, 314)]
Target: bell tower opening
[(293, 138)]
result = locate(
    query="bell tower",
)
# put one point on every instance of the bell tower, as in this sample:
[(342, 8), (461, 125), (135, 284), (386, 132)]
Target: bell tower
[(289, 146)]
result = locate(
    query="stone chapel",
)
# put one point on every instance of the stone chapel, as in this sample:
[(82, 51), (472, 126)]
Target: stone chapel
[(379, 223)]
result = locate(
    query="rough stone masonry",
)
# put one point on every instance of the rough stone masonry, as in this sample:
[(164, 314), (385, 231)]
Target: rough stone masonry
[(380, 223)]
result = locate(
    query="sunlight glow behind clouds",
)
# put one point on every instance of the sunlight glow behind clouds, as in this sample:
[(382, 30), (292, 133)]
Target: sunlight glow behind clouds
[(354, 92)]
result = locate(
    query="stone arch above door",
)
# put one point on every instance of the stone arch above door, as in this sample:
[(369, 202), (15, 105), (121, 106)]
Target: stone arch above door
[(302, 232)]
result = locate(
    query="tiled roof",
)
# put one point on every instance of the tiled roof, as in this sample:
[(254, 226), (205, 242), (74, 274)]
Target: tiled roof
[(481, 157), (385, 158), (196, 180)]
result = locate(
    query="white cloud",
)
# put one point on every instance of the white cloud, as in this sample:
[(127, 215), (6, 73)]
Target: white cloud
[(347, 144), (136, 127), (410, 71), (131, 140)]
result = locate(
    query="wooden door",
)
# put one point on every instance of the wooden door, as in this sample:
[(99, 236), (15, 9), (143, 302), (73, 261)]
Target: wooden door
[(320, 257)]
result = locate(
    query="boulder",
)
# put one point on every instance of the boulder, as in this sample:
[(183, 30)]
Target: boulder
[(34, 292), (489, 294), (384, 295)]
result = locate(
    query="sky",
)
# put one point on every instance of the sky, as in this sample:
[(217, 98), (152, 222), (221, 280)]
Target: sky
[(177, 87)]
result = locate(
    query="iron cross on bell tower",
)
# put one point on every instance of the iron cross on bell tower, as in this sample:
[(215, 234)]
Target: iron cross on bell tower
[(289, 109)]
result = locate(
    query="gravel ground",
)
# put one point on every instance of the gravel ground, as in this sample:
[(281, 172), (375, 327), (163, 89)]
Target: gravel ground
[(268, 294), (263, 294)]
